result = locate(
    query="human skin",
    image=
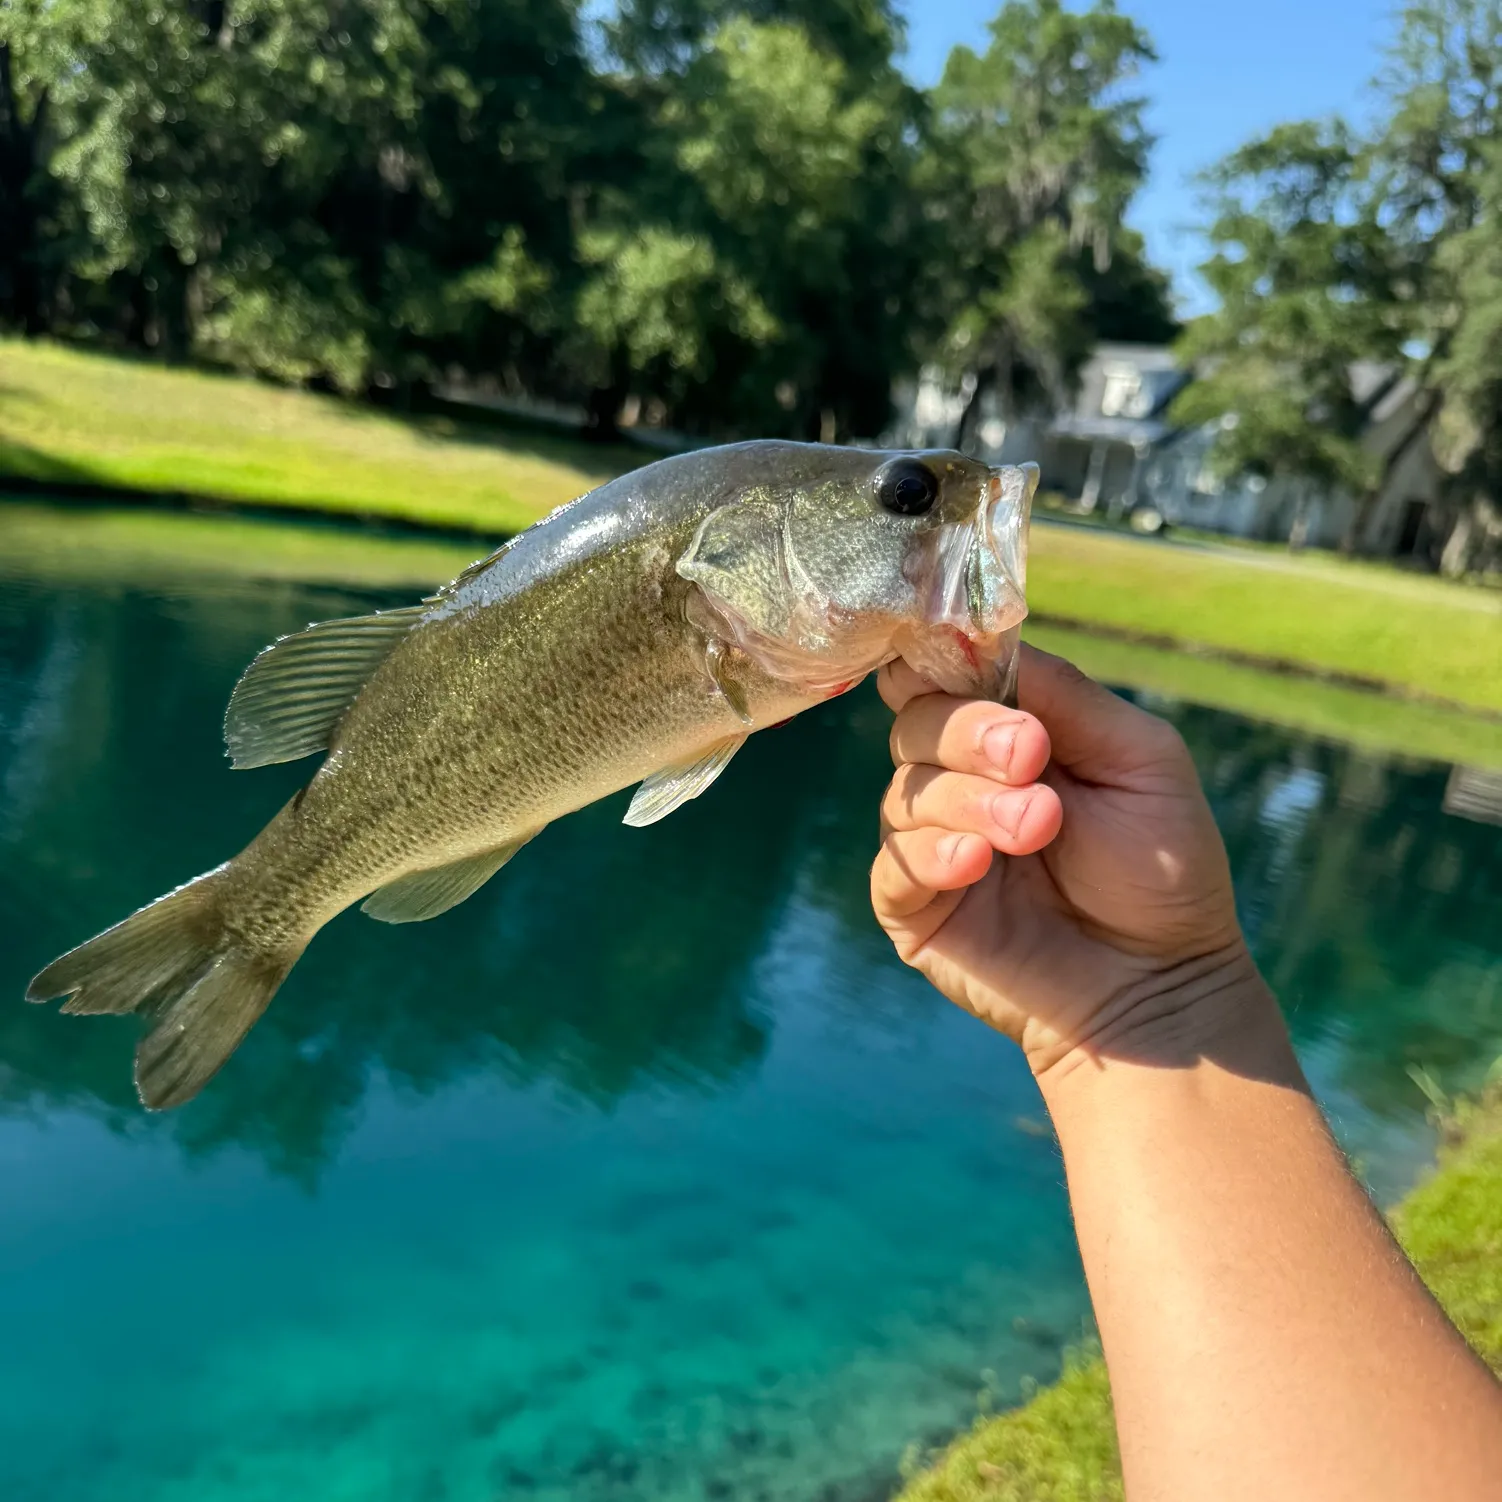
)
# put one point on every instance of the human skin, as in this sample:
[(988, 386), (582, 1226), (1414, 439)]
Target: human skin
[(1265, 1336)]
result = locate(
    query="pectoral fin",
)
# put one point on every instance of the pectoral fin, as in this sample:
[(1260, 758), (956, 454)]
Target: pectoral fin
[(673, 786), (425, 894)]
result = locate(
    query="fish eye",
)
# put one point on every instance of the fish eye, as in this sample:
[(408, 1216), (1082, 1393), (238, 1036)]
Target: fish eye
[(907, 487)]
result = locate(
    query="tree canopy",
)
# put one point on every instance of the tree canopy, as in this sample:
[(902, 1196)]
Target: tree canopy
[(1038, 147), (1335, 246), (738, 214)]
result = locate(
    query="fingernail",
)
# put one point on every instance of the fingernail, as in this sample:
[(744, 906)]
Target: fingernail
[(949, 847), (998, 743), (1009, 811)]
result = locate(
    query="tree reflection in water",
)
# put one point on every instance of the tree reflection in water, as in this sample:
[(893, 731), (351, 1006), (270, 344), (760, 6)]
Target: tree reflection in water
[(606, 960)]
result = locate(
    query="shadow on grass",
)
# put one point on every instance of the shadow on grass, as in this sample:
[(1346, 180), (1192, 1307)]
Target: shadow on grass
[(514, 433), (24, 468)]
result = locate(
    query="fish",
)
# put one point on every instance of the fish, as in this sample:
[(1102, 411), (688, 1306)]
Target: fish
[(637, 635)]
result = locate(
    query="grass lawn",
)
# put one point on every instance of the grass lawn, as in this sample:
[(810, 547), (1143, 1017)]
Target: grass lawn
[(1061, 1446), (70, 417), (1376, 722), (1415, 633)]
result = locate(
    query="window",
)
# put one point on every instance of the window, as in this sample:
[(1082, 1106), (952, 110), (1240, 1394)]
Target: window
[(1124, 395)]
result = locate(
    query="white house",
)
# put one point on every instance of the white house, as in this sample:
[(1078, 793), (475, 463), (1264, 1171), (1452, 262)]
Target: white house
[(1115, 449)]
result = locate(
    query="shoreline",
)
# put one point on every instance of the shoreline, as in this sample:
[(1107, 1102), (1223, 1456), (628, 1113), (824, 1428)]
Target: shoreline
[(94, 496)]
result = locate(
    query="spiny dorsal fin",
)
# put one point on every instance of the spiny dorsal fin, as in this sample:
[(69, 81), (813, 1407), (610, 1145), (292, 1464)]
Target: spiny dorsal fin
[(293, 695), (673, 786), (425, 894)]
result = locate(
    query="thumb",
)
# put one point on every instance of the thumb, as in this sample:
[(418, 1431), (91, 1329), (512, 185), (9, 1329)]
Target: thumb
[(1095, 734)]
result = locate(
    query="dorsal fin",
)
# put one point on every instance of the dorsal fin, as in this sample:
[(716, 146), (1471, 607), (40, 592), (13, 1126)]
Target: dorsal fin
[(293, 695)]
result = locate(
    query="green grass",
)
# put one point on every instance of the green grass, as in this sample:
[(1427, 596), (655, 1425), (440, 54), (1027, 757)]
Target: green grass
[(1451, 1225), (1418, 634), (1061, 1446), (69, 417), (1376, 722)]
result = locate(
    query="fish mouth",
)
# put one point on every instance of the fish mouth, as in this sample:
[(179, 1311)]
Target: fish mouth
[(981, 575)]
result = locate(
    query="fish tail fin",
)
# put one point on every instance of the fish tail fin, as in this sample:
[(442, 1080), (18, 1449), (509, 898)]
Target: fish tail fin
[(176, 964)]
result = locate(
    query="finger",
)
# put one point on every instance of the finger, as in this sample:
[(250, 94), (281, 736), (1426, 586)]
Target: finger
[(1095, 734), (899, 682), (915, 868), (1015, 821), (973, 736)]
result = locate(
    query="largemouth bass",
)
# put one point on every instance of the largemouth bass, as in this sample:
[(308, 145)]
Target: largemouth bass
[(638, 635)]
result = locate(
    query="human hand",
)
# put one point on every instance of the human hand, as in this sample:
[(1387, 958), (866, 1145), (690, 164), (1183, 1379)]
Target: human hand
[(1110, 926)]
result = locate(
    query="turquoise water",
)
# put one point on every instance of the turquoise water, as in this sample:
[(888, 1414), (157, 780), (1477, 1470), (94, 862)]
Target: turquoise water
[(648, 1173)]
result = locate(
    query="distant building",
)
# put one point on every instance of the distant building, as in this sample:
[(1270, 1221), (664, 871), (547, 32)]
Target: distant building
[(1116, 450)]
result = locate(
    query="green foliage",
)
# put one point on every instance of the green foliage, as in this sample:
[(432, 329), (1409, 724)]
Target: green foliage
[(660, 296), (718, 207), (1302, 280), (1334, 247), (1038, 146), (664, 33)]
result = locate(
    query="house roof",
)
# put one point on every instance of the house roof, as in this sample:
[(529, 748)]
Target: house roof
[(1122, 395), (1124, 392)]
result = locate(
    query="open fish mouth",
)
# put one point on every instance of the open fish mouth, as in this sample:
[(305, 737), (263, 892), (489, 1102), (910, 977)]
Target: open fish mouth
[(980, 573)]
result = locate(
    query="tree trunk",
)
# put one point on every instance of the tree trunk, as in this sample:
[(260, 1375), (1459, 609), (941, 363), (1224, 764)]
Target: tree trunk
[(1475, 541), (20, 216), (602, 412), (964, 429), (1425, 411), (602, 408)]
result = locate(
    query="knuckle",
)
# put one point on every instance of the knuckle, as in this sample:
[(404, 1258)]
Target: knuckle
[(908, 782), (894, 741), (1166, 740), (1072, 675)]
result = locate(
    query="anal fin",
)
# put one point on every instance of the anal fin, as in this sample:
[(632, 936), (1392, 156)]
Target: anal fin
[(425, 894), (674, 786)]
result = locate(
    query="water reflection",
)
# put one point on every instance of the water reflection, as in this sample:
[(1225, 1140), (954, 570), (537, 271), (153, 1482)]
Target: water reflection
[(608, 961)]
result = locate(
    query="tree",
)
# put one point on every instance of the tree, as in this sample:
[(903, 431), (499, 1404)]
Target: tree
[(1303, 274), (752, 280), (1440, 158), (727, 211), (667, 35), (1037, 148), (1333, 248), (40, 47)]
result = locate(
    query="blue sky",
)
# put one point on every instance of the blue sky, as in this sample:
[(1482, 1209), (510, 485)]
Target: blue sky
[(1228, 70)]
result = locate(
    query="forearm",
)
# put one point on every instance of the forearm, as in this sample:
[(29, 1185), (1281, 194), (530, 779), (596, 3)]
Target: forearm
[(1265, 1337)]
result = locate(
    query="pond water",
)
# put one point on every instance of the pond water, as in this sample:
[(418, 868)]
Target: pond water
[(646, 1173)]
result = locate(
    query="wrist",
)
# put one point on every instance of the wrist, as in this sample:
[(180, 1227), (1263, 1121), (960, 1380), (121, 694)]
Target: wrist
[(1212, 1008)]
